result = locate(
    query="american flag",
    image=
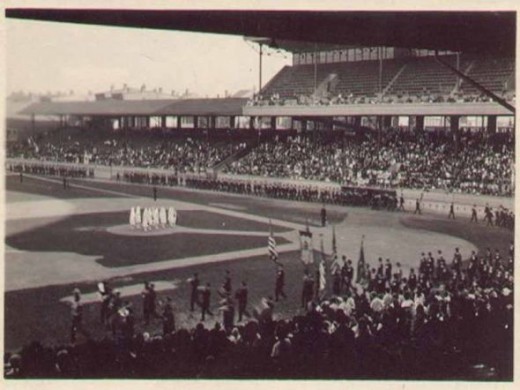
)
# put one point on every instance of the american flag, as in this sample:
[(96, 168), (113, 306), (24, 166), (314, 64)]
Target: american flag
[(271, 244)]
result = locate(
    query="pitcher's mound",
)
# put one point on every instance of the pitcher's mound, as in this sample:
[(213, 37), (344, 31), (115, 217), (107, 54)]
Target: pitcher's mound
[(127, 230)]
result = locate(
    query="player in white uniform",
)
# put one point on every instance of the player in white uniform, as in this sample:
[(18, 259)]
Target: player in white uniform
[(156, 217), (172, 216), (162, 217), (138, 218), (132, 217), (146, 219)]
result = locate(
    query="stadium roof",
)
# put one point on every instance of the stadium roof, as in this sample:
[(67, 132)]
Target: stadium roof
[(224, 106), (471, 31)]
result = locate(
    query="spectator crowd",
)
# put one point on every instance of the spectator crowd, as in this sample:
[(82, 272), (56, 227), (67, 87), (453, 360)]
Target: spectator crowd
[(477, 163), (182, 155), (426, 97)]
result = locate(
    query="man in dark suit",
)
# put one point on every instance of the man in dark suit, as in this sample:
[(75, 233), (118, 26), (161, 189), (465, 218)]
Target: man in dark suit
[(474, 214), (323, 216), (205, 301), (241, 297), (451, 215), (194, 283), (417, 207), (280, 283)]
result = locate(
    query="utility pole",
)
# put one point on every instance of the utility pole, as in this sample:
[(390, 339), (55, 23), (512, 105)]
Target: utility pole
[(260, 70)]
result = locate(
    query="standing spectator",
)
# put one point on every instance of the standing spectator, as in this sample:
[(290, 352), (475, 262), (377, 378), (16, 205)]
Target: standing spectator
[(228, 313), (168, 317), (417, 207), (336, 283), (147, 306), (401, 203), (474, 214), (457, 262), (194, 283), (77, 316), (323, 215), (205, 301), (241, 297), (129, 321), (280, 283), (451, 215), (488, 215), (308, 289), (105, 295), (388, 270)]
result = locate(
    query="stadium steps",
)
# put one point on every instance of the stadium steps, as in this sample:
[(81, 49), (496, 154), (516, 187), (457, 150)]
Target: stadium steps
[(389, 85), (235, 156), (457, 86), (424, 75), (327, 86), (492, 73)]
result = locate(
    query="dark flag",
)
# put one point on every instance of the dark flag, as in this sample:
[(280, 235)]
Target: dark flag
[(361, 263), (336, 265)]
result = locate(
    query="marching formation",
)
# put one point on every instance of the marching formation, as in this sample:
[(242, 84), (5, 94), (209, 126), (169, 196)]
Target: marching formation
[(150, 218)]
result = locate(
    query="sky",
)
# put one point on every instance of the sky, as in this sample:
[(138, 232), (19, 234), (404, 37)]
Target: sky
[(47, 56)]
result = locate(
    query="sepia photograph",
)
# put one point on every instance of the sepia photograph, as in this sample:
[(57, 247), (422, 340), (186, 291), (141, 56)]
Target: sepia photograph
[(241, 193)]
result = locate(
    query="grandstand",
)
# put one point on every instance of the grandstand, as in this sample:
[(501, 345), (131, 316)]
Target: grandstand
[(414, 77), (353, 220)]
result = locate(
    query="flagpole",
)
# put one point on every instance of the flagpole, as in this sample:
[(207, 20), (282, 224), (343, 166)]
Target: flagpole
[(334, 243)]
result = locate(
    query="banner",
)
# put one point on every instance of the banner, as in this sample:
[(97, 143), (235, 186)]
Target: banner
[(306, 247)]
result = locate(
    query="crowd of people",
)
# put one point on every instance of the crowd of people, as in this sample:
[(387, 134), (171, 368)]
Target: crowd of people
[(477, 163), (182, 155), (474, 162), (50, 170), (397, 98), (440, 320)]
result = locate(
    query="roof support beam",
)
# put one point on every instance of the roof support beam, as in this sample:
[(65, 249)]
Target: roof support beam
[(481, 88)]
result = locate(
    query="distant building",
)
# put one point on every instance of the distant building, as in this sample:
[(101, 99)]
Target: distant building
[(130, 93)]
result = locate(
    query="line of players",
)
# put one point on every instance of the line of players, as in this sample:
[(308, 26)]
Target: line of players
[(149, 218)]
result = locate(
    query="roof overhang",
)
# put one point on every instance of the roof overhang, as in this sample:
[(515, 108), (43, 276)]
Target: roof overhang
[(404, 109), (471, 31), (113, 108)]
